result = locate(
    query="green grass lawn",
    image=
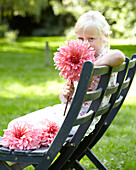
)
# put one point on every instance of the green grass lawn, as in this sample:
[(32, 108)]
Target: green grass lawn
[(26, 85)]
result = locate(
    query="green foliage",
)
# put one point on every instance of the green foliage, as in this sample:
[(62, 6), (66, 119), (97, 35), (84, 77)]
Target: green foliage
[(52, 25), (3, 29), (26, 85), (32, 7), (120, 14), (11, 36)]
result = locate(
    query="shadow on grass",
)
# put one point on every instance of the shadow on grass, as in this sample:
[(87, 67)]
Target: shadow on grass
[(32, 45)]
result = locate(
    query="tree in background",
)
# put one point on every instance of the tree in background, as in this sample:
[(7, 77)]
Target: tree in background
[(121, 14), (57, 17), (35, 17), (23, 7)]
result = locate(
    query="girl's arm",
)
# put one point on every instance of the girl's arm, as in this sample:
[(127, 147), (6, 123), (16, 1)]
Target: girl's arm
[(112, 58)]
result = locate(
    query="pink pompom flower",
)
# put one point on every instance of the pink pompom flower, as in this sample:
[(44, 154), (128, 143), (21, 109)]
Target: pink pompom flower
[(49, 130), (21, 136), (71, 58)]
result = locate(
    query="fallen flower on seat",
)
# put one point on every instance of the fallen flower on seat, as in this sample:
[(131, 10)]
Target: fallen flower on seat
[(23, 135)]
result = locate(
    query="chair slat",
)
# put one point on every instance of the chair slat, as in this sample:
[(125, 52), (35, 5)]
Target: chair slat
[(93, 95), (119, 68), (132, 63), (21, 152), (84, 118), (126, 83), (103, 110), (112, 89), (101, 70), (39, 152), (6, 151), (118, 101)]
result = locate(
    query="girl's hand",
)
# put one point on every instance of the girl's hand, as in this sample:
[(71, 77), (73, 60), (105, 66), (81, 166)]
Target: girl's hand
[(68, 90)]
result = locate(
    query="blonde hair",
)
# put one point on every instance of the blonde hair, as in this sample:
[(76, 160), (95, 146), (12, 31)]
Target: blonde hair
[(96, 19)]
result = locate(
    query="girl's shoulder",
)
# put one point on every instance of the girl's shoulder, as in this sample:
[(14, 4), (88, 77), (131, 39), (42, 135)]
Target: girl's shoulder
[(102, 53)]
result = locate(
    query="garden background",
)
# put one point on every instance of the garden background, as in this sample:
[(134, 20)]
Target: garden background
[(28, 84)]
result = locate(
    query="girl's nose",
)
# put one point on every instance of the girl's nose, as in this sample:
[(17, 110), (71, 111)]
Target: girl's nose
[(85, 40)]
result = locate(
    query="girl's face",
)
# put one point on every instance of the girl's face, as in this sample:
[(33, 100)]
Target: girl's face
[(91, 34)]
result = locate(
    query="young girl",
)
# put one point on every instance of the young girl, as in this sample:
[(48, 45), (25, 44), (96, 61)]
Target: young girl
[(91, 27)]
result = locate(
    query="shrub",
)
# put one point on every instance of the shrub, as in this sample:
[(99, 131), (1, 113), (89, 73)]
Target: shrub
[(3, 29), (11, 36)]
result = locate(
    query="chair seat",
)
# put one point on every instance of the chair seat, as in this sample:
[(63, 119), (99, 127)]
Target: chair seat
[(33, 156), (28, 155)]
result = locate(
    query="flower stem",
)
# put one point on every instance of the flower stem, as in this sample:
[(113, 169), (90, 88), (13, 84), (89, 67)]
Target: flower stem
[(66, 106)]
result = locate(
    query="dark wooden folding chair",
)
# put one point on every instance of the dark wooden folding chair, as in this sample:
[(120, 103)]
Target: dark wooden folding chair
[(66, 151), (118, 93)]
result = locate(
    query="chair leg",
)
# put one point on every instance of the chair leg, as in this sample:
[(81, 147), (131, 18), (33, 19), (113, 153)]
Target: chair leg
[(4, 166), (78, 166), (95, 160)]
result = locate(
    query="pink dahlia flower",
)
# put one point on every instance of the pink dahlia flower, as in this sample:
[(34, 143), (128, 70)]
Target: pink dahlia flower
[(24, 136), (71, 58), (21, 136), (49, 130)]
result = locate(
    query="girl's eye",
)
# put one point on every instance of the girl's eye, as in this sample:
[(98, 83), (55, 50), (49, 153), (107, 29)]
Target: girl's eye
[(81, 39), (91, 38)]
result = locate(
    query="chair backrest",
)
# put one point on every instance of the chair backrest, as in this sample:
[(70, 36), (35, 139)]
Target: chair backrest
[(77, 147)]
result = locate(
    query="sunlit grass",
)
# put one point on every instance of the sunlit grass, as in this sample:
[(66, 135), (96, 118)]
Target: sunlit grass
[(17, 89), (123, 41)]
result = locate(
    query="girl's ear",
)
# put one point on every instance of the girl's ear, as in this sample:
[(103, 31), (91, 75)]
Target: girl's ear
[(106, 38), (106, 35)]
